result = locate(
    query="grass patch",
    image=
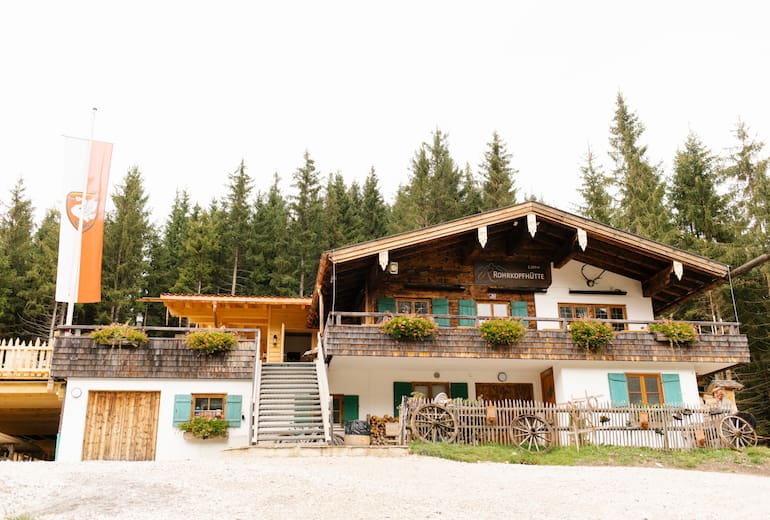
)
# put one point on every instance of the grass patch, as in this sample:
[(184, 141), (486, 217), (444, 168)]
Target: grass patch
[(711, 459)]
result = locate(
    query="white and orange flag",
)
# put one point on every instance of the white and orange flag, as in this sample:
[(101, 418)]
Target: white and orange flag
[(81, 230)]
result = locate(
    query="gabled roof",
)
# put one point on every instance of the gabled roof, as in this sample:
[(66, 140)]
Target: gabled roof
[(555, 240)]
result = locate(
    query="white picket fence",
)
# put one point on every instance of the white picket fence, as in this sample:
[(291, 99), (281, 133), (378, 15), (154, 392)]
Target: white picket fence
[(25, 360)]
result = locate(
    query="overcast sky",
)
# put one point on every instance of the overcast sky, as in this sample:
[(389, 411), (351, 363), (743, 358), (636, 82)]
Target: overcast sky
[(186, 90)]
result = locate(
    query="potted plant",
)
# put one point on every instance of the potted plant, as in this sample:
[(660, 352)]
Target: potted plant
[(502, 333), (210, 341), (675, 332), (119, 334), (410, 327), (591, 336), (203, 427)]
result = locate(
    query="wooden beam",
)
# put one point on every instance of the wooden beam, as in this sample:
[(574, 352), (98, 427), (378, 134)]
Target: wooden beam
[(658, 281), (515, 238), (566, 253), (751, 264)]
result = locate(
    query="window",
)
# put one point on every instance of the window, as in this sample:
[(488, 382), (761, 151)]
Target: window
[(492, 309), (344, 408), (644, 388), (576, 311), (413, 306), (431, 390), (208, 405)]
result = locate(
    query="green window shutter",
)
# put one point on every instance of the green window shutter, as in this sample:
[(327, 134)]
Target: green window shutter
[(519, 309), (350, 408), (182, 408), (400, 389), (386, 305), (672, 389), (233, 410), (441, 306), (618, 389), (458, 390), (467, 308)]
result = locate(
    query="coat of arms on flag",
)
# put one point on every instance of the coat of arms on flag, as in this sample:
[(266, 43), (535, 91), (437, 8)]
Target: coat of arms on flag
[(76, 209)]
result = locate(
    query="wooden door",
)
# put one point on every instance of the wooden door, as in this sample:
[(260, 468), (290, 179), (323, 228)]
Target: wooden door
[(500, 391), (121, 425), (547, 386)]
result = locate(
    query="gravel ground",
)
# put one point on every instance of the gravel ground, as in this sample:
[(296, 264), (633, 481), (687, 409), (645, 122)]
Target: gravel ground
[(360, 487)]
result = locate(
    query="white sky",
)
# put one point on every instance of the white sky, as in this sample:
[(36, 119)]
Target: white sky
[(187, 89)]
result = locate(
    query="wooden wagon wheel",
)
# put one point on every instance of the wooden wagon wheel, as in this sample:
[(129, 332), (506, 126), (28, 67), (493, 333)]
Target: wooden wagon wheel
[(434, 423), (737, 433), (532, 433)]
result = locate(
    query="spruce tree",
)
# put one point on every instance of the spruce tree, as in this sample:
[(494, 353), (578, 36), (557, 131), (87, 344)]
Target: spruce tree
[(597, 201), (168, 255), (39, 291), (198, 266), (470, 196), (306, 224), (498, 189), (128, 235), (238, 216), (374, 211), (16, 229), (641, 208)]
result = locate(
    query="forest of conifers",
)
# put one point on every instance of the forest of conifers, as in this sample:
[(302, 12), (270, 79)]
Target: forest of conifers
[(269, 243)]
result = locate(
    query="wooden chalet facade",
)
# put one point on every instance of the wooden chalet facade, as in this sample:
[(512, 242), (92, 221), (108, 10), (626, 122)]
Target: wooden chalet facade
[(531, 261)]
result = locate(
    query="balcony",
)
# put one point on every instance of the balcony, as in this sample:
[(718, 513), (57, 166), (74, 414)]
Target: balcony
[(21, 361), (357, 334)]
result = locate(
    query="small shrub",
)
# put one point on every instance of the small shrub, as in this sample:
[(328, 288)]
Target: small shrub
[(211, 341), (204, 427), (499, 333), (410, 327), (591, 335), (118, 334), (678, 333)]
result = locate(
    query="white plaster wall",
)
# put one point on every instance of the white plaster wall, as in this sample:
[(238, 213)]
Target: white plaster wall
[(576, 383), (569, 277), (372, 378), (170, 444)]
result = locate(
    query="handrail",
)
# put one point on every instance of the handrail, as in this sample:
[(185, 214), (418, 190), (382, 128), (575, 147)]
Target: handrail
[(255, 391), (703, 327), (20, 360), (323, 389)]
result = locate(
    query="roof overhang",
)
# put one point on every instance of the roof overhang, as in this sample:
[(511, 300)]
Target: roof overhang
[(669, 276)]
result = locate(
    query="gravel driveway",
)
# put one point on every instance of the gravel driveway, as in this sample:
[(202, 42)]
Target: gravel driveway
[(359, 487)]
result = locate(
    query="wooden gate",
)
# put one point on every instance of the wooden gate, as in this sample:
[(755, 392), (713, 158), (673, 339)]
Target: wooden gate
[(121, 425)]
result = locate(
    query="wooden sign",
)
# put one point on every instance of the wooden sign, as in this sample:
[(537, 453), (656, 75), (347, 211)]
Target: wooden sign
[(519, 276)]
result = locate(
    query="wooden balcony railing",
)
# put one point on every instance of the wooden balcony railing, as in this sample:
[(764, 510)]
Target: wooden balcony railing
[(359, 334), (25, 360)]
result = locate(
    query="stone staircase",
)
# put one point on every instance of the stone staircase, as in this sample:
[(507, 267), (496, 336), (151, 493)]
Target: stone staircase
[(288, 407)]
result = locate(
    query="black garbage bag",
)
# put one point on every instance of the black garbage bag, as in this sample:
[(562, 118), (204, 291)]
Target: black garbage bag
[(357, 428)]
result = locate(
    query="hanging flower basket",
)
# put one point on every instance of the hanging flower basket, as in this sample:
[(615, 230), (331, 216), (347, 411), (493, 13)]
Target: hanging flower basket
[(674, 332), (502, 333), (410, 327), (593, 336), (119, 334)]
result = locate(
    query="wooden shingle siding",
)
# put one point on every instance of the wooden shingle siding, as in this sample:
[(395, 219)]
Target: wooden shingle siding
[(351, 340), (160, 358)]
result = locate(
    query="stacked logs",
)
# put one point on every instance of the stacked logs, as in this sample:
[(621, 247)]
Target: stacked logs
[(378, 431)]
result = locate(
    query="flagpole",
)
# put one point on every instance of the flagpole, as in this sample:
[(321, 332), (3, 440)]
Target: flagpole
[(83, 200)]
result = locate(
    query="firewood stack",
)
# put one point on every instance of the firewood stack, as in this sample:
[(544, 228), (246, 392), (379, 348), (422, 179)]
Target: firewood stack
[(377, 429)]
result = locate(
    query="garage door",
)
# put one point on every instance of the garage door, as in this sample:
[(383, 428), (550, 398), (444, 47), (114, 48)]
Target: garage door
[(121, 426)]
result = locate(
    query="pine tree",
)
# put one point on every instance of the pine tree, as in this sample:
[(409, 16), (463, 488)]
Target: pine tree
[(374, 211), (305, 226), (641, 208), (16, 230), (597, 202), (168, 255), (470, 195), (196, 273), (699, 210), (498, 189), (128, 235), (39, 291), (238, 215)]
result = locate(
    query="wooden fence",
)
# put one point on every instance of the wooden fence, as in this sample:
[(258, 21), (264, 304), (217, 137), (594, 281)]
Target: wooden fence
[(583, 423), (20, 360)]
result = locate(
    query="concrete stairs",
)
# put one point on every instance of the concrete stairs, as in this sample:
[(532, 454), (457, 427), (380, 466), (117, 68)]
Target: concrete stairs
[(288, 407)]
